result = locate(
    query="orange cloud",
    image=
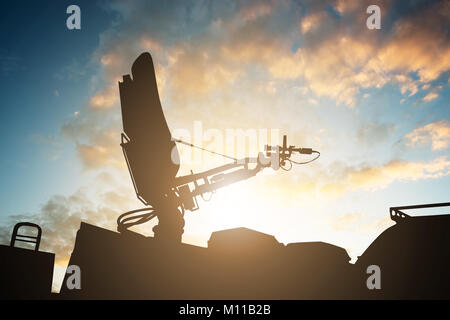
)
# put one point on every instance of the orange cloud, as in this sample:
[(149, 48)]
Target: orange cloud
[(343, 6), (373, 178), (110, 59), (105, 98), (342, 63), (437, 133), (103, 151), (322, 183), (430, 96), (149, 44), (194, 72), (334, 75), (420, 44), (336, 65), (310, 22), (255, 11), (407, 84)]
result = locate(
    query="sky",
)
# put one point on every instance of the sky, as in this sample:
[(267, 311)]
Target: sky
[(375, 103)]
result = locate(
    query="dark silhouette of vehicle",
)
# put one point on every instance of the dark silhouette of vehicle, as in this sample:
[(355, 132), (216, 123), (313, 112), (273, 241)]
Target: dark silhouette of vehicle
[(413, 257), (25, 273)]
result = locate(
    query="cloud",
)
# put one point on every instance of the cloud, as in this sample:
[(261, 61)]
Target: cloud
[(106, 98), (96, 157), (256, 10), (96, 136), (334, 75), (358, 59), (202, 51), (311, 22), (338, 179), (193, 73), (430, 96), (420, 43), (345, 6), (437, 133), (407, 84), (374, 178), (102, 151)]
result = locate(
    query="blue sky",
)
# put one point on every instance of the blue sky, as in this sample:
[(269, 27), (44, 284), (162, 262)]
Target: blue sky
[(45, 77), (374, 102)]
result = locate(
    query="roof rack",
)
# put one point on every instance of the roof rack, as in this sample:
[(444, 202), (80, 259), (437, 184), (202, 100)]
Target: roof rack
[(397, 215), (36, 240)]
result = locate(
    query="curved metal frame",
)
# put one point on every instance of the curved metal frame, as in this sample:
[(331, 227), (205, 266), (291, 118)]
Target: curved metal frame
[(24, 238), (398, 215)]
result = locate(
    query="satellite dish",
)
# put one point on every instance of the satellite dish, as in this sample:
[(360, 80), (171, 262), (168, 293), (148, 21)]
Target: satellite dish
[(152, 156)]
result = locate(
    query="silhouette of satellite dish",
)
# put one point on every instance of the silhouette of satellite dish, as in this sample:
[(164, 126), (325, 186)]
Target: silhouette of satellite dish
[(153, 160), (151, 155)]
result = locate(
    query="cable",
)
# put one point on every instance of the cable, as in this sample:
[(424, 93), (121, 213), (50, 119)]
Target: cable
[(126, 220), (213, 152), (309, 161), (290, 165)]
